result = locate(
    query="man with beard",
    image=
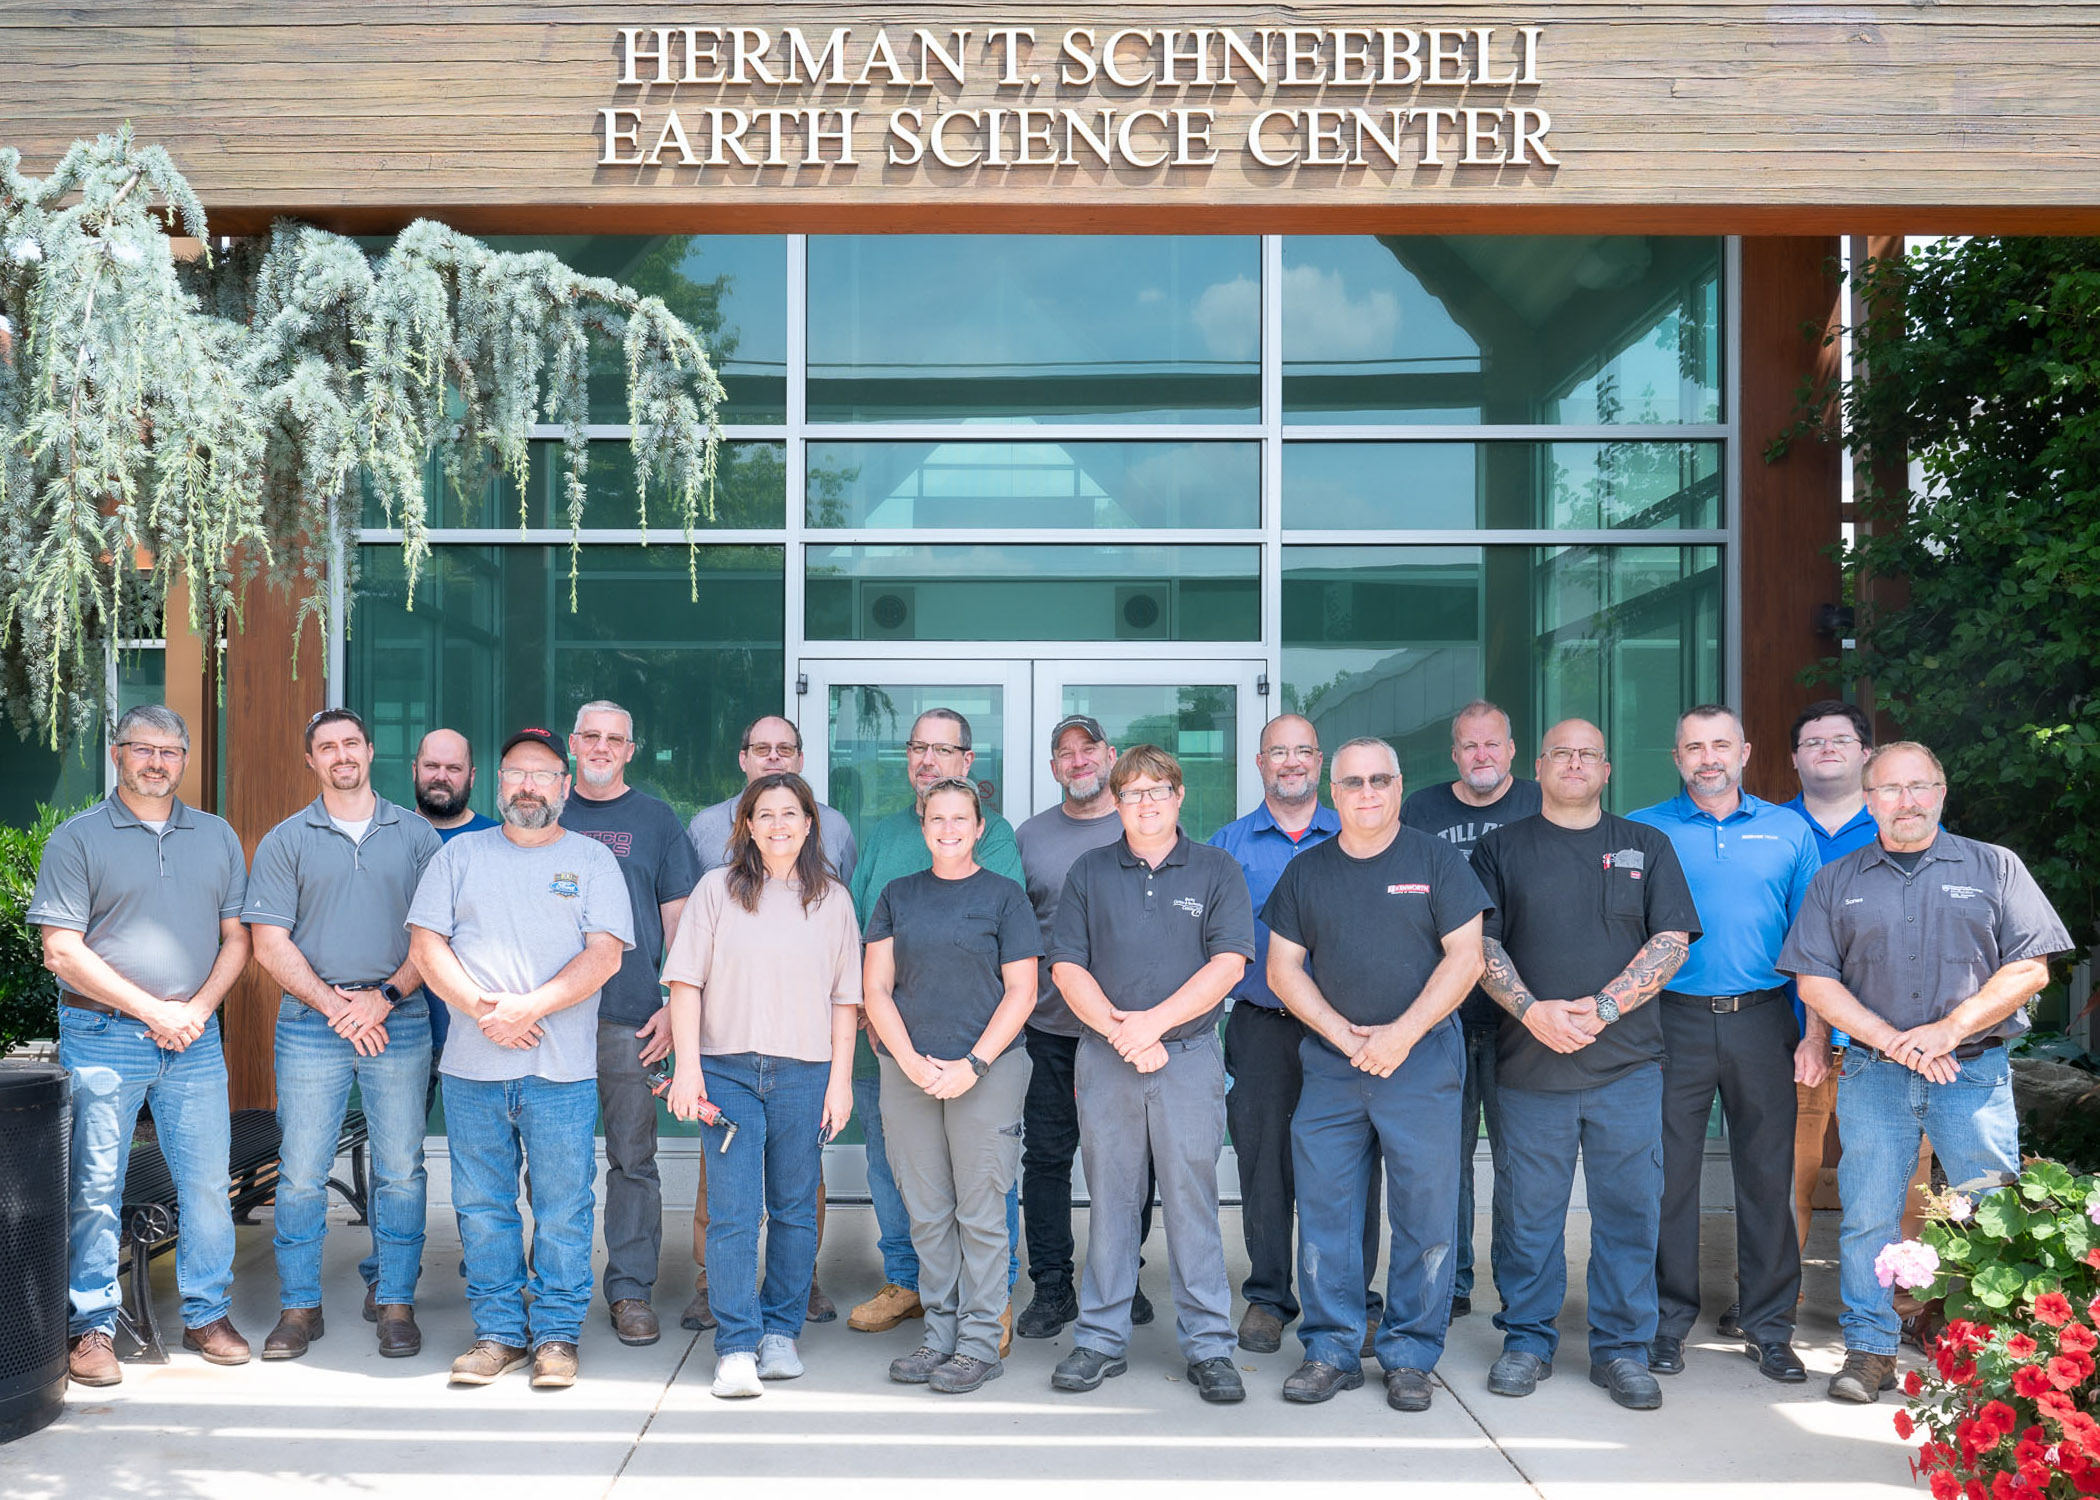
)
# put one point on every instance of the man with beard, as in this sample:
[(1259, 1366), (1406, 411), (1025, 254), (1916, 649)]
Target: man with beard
[(326, 909), (518, 929), (1485, 796), (443, 774), (634, 1025), (139, 899), (1728, 1029)]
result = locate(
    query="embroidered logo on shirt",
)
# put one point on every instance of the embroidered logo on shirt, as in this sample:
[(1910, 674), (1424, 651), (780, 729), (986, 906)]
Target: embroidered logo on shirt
[(1188, 904), (1407, 890), (566, 885), (1961, 892), (1854, 900)]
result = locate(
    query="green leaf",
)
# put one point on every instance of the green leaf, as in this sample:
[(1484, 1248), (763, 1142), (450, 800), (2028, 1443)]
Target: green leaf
[(1996, 1286), (2001, 1216)]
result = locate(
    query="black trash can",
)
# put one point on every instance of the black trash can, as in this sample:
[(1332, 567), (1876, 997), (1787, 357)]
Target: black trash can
[(36, 1137)]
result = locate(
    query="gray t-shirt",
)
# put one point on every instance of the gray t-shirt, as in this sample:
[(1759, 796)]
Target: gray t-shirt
[(657, 862), (709, 832), (1049, 842), (515, 918), (149, 902), (342, 900), (950, 940)]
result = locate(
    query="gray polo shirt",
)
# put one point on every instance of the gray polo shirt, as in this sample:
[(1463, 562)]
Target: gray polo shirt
[(1049, 843), (1911, 947), (148, 903), (711, 827), (1143, 932), (343, 901)]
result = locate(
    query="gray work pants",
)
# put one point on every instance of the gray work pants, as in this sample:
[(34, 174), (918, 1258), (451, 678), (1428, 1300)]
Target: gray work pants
[(634, 1198), (1176, 1117), (955, 1161)]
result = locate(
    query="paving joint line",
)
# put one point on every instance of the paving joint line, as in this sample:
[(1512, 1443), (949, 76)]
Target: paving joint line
[(1507, 1457), (655, 1411)]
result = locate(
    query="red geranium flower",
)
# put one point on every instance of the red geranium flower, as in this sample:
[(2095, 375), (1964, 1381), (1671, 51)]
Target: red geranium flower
[(1998, 1418), (2029, 1381), (2053, 1308), (1913, 1382), (1945, 1486), (1903, 1425), (2020, 1346), (2055, 1404), (2076, 1338), (2064, 1371)]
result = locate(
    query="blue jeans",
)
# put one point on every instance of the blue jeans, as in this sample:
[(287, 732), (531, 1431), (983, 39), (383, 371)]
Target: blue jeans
[(314, 1072), (116, 1066), (1883, 1108), (1481, 1099), (554, 1126), (1618, 1130), (770, 1172), (1345, 1122), (900, 1263)]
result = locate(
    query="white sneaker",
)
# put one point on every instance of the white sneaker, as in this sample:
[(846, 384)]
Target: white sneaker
[(778, 1358), (736, 1375)]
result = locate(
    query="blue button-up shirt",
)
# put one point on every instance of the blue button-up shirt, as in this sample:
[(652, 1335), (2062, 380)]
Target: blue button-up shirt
[(1858, 832), (1749, 873), (1263, 849)]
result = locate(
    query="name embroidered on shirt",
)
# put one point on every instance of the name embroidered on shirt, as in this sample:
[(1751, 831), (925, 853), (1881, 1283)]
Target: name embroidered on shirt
[(1961, 892), (1854, 900), (1407, 890), (566, 885), (1188, 904)]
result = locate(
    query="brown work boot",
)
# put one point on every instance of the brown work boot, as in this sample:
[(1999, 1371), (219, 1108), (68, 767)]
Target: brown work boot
[(635, 1321), (885, 1310), (487, 1361), (398, 1335), (553, 1365), (296, 1328), (372, 1303), (91, 1359), (1864, 1377), (1006, 1330), (218, 1341), (699, 1314)]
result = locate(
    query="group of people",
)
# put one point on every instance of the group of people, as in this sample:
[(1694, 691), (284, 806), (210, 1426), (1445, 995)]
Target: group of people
[(990, 1002)]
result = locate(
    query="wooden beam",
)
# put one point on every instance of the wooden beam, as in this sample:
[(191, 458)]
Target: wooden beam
[(190, 691)]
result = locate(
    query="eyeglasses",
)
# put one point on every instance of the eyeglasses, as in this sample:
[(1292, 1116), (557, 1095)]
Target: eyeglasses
[(512, 775), (1378, 782), (141, 751), (593, 738), (769, 752), (1917, 791), (1831, 742), (1562, 755), (1291, 752), (1132, 796), (928, 747)]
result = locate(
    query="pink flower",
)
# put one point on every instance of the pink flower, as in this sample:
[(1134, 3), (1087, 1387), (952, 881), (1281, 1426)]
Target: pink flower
[(1908, 1263)]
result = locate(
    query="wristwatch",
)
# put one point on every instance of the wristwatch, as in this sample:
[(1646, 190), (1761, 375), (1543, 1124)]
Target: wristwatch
[(1607, 1009), (977, 1064), (391, 995)]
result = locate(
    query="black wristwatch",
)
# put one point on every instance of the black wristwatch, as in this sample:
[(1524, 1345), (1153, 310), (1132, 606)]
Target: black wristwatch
[(390, 995), (977, 1064)]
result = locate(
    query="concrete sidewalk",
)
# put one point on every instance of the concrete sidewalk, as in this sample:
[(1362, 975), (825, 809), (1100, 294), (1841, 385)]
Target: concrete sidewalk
[(640, 1423)]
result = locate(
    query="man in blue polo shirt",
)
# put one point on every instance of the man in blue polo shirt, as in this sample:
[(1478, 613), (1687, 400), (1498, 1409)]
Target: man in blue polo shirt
[(1727, 1027)]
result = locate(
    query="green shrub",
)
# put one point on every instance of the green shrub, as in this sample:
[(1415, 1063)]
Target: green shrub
[(28, 993)]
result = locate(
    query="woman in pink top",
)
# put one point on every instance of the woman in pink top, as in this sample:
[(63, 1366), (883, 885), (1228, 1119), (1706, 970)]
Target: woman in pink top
[(765, 983)]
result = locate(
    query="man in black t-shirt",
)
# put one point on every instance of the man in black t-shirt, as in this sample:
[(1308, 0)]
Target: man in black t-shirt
[(1390, 921), (1592, 917), (1485, 796)]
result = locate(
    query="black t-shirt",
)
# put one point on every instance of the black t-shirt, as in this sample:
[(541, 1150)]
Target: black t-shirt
[(950, 939), (1373, 929), (1436, 811), (1572, 907)]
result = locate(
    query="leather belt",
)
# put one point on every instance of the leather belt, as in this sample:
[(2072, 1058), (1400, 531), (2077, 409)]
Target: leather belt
[(81, 1002), (1966, 1052), (1723, 1005)]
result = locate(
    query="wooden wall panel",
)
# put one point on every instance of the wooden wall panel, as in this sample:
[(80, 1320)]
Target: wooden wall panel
[(1791, 298), (1696, 115)]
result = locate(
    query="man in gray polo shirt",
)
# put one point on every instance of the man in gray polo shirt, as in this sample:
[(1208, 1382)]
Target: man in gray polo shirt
[(1151, 933), (518, 929), (139, 900), (326, 907), (1925, 948)]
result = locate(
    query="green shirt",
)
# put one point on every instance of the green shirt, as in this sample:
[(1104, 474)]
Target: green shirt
[(897, 846)]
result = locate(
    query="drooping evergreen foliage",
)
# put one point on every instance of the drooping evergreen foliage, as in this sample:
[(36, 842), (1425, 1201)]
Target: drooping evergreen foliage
[(211, 414)]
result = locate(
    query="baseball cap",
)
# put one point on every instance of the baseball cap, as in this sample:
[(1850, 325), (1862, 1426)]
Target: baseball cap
[(534, 735), (1088, 722)]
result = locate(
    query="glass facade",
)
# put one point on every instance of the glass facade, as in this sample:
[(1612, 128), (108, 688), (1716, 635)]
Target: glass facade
[(1391, 473)]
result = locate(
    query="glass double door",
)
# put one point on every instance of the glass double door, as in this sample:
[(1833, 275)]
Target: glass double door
[(1209, 713)]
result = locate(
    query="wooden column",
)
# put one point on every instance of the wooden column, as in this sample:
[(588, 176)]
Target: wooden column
[(192, 693), (266, 782), (1791, 300)]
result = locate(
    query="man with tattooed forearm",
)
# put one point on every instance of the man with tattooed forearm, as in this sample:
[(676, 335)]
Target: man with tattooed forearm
[(1592, 916)]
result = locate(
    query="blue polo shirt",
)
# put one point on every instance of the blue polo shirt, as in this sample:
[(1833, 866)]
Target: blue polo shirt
[(1263, 849), (1859, 831), (1749, 873)]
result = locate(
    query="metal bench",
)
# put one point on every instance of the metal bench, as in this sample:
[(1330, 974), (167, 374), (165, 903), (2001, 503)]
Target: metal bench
[(150, 1220)]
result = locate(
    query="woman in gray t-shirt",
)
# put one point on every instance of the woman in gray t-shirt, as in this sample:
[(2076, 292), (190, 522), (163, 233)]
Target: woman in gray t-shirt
[(949, 981)]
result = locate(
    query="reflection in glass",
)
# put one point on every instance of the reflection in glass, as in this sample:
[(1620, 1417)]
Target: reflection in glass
[(1520, 486), (1393, 641), (491, 645), (1033, 593), (1076, 328), (1080, 486), (750, 492), (1504, 328), (1198, 725), (868, 725)]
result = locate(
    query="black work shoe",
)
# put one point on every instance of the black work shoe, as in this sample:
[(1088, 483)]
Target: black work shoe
[(1518, 1373), (1666, 1355), (1046, 1315), (917, 1367), (1777, 1361), (1730, 1323), (963, 1374), (1218, 1381), (1407, 1390), (1461, 1306), (1140, 1309), (1261, 1331), (1084, 1369), (1629, 1382), (1315, 1381)]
